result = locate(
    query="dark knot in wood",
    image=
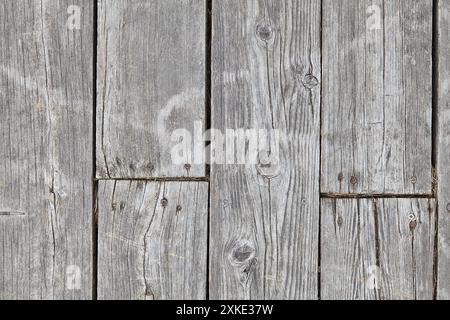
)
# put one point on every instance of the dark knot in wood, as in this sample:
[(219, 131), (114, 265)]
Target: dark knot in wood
[(264, 32)]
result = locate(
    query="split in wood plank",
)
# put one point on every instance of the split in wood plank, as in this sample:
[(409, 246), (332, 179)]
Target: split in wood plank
[(152, 240), (377, 248), (46, 143)]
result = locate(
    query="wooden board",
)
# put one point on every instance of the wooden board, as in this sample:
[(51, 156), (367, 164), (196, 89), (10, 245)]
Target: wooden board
[(152, 240), (377, 89), (151, 82), (443, 147), (377, 248), (46, 149), (265, 213)]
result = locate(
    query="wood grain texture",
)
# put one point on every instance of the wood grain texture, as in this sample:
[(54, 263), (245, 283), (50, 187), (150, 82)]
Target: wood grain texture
[(443, 147), (151, 81), (265, 216), (377, 88), (152, 240), (45, 150), (377, 249)]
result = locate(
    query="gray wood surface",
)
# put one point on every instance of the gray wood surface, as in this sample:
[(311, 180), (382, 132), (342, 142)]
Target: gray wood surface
[(265, 216), (151, 81), (377, 248), (443, 149), (280, 139), (46, 140), (152, 240), (376, 93)]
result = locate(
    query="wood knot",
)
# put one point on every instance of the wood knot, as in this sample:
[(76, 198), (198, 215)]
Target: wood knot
[(413, 180), (340, 176), (150, 166), (122, 205), (412, 225), (164, 202), (353, 180), (267, 166), (187, 166), (179, 208), (243, 252), (264, 32), (448, 207), (309, 81), (340, 221)]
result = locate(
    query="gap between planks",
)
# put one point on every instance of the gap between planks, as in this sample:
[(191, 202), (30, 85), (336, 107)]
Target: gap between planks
[(94, 155), (434, 133), (375, 196), (159, 179)]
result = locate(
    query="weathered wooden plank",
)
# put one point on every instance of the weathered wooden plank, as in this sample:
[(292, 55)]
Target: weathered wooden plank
[(443, 147), (151, 81), (152, 240), (377, 248), (376, 112), (46, 138), (265, 213)]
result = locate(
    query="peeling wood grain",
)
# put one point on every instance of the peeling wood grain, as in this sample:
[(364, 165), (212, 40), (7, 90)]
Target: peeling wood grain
[(377, 248), (152, 240), (443, 148), (151, 81), (265, 216), (45, 151), (376, 112)]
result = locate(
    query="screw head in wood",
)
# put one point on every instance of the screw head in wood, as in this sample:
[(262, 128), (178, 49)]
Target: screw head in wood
[(413, 180), (353, 180), (164, 202)]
